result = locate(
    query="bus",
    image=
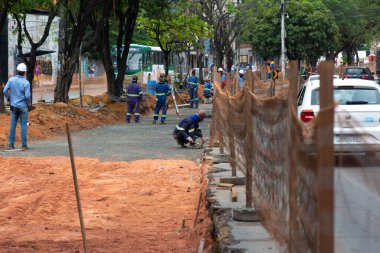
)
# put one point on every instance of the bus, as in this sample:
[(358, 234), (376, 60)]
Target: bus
[(147, 62)]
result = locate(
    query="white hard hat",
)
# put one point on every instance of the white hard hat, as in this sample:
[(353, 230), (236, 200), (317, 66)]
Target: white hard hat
[(241, 72), (21, 67), (220, 69)]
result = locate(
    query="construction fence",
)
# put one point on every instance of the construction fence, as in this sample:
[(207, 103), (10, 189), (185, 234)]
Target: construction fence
[(288, 166)]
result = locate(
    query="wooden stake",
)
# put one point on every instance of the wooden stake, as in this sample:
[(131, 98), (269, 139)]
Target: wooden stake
[(76, 188), (199, 206)]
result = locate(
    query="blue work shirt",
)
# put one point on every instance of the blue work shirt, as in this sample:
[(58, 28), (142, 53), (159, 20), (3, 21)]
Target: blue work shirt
[(192, 82), (189, 126), (162, 91), (207, 89), (134, 91), (19, 89)]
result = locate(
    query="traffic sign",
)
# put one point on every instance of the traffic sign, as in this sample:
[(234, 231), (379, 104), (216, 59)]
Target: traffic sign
[(275, 74)]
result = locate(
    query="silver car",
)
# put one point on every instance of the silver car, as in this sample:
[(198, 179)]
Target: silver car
[(357, 113)]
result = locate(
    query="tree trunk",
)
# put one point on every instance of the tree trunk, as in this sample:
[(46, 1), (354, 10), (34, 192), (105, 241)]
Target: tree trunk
[(230, 58), (2, 102), (166, 60), (61, 91), (219, 58)]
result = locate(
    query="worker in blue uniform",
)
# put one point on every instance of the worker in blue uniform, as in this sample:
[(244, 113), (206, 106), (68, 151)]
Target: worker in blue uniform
[(134, 94), (162, 91), (192, 84), (208, 90), (187, 131)]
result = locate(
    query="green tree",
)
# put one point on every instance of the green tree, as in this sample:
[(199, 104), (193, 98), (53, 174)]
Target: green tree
[(20, 14), (115, 20), (5, 7), (310, 29), (171, 23), (75, 19), (223, 17), (358, 24)]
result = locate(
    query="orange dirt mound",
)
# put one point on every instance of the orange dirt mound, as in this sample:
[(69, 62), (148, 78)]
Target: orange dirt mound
[(127, 207)]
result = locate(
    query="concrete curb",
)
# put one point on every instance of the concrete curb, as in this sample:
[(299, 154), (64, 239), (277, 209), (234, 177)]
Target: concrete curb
[(237, 229)]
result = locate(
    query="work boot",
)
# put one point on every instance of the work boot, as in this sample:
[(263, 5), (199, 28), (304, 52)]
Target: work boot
[(11, 147), (24, 147), (154, 121)]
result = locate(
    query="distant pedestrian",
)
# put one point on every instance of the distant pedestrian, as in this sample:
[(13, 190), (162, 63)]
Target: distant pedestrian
[(134, 94), (162, 91), (187, 131), (192, 84), (17, 92), (208, 91)]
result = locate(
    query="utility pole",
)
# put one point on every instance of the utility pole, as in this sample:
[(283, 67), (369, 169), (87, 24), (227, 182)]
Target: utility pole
[(283, 49)]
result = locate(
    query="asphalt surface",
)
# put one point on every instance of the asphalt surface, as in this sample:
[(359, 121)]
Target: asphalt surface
[(124, 142)]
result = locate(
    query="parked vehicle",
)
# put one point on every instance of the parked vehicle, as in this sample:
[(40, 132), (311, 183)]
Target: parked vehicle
[(359, 72), (357, 113)]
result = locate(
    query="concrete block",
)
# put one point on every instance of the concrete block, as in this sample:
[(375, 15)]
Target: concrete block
[(233, 180), (245, 214), (252, 247), (221, 158)]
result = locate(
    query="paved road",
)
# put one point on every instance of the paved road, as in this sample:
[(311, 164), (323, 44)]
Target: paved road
[(124, 142), (357, 210)]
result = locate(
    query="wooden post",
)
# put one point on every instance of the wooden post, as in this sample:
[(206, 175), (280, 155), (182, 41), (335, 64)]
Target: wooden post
[(248, 149), (76, 188), (325, 170), (293, 178), (231, 140)]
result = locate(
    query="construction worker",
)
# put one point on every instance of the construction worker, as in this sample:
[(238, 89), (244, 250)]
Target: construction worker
[(17, 93), (192, 84), (241, 78), (269, 72), (134, 94), (162, 91), (187, 131), (208, 90)]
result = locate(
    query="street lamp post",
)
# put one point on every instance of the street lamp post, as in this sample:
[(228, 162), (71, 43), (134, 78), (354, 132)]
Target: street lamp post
[(283, 49)]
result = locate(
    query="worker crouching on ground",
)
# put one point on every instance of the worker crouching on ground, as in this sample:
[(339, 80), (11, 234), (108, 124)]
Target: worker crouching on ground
[(134, 94), (187, 131), (162, 91), (208, 91)]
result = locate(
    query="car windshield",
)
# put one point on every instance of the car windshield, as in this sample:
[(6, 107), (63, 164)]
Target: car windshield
[(350, 95), (355, 71)]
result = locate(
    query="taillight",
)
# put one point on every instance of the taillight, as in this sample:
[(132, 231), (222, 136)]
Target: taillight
[(345, 76), (365, 77), (307, 115)]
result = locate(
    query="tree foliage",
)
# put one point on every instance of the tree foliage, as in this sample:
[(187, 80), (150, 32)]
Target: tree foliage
[(170, 23), (358, 24), (223, 17), (310, 29)]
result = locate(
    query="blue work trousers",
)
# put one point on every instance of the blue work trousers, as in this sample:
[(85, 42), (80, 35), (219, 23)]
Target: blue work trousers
[(161, 104), (133, 108), (22, 115), (193, 98)]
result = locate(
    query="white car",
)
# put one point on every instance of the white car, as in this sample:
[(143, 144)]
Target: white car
[(357, 113)]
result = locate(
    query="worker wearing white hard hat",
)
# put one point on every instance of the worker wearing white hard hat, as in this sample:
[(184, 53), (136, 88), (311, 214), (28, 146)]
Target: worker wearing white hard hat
[(241, 78), (17, 92)]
